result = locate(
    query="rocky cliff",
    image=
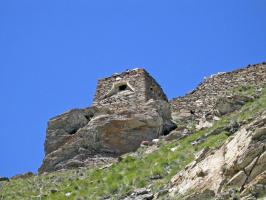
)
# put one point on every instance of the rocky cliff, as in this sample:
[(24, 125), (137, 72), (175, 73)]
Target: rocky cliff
[(239, 165), (124, 114), (217, 150)]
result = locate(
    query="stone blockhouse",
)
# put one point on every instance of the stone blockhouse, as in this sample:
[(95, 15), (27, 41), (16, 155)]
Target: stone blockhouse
[(130, 89)]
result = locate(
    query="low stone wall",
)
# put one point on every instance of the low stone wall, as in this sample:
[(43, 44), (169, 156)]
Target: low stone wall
[(202, 100)]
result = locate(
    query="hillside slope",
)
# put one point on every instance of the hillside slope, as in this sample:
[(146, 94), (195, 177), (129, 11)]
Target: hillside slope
[(221, 158)]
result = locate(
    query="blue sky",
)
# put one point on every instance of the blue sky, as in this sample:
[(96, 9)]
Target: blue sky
[(52, 52)]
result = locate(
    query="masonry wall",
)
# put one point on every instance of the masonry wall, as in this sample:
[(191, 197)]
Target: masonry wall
[(145, 88), (203, 98), (153, 89), (136, 78)]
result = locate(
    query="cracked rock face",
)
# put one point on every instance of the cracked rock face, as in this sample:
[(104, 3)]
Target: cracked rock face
[(61, 128), (92, 136), (239, 163)]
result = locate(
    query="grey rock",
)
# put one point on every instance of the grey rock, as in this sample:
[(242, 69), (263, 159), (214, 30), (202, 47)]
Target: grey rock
[(140, 194), (259, 132), (232, 127), (141, 191), (62, 128), (238, 179), (156, 177), (229, 104), (174, 135), (239, 163), (182, 115)]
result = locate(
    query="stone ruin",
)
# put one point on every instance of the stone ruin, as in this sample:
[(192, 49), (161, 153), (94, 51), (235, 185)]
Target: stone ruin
[(130, 89), (128, 108), (215, 95)]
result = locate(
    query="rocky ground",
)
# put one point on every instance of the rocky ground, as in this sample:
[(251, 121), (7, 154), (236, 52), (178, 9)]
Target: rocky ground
[(239, 163), (221, 157)]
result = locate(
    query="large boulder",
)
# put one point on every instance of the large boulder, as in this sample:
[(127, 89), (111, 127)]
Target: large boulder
[(61, 128), (228, 104), (95, 136)]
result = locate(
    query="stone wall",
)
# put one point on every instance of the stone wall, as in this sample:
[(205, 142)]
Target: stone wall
[(202, 100), (153, 89), (140, 88)]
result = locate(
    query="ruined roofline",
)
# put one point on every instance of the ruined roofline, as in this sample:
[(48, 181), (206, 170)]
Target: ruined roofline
[(138, 70)]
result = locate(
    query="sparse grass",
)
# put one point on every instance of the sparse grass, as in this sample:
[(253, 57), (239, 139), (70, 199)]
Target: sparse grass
[(132, 172), (250, 109), (248, 90), (119, 179)]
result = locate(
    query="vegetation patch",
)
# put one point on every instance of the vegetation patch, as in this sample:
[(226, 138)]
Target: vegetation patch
[(135, 170)]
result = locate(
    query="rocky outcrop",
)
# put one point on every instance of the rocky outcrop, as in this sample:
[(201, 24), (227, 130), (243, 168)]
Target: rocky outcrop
[(94, 136), (63, 127), (216, 96), (228, 104), (239, 164), (128, 108)]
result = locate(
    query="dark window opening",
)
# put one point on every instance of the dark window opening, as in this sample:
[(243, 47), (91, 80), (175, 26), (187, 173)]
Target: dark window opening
[(122, 87)]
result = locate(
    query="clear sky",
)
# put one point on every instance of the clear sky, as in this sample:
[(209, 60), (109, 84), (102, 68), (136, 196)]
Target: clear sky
[(53, 51)]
